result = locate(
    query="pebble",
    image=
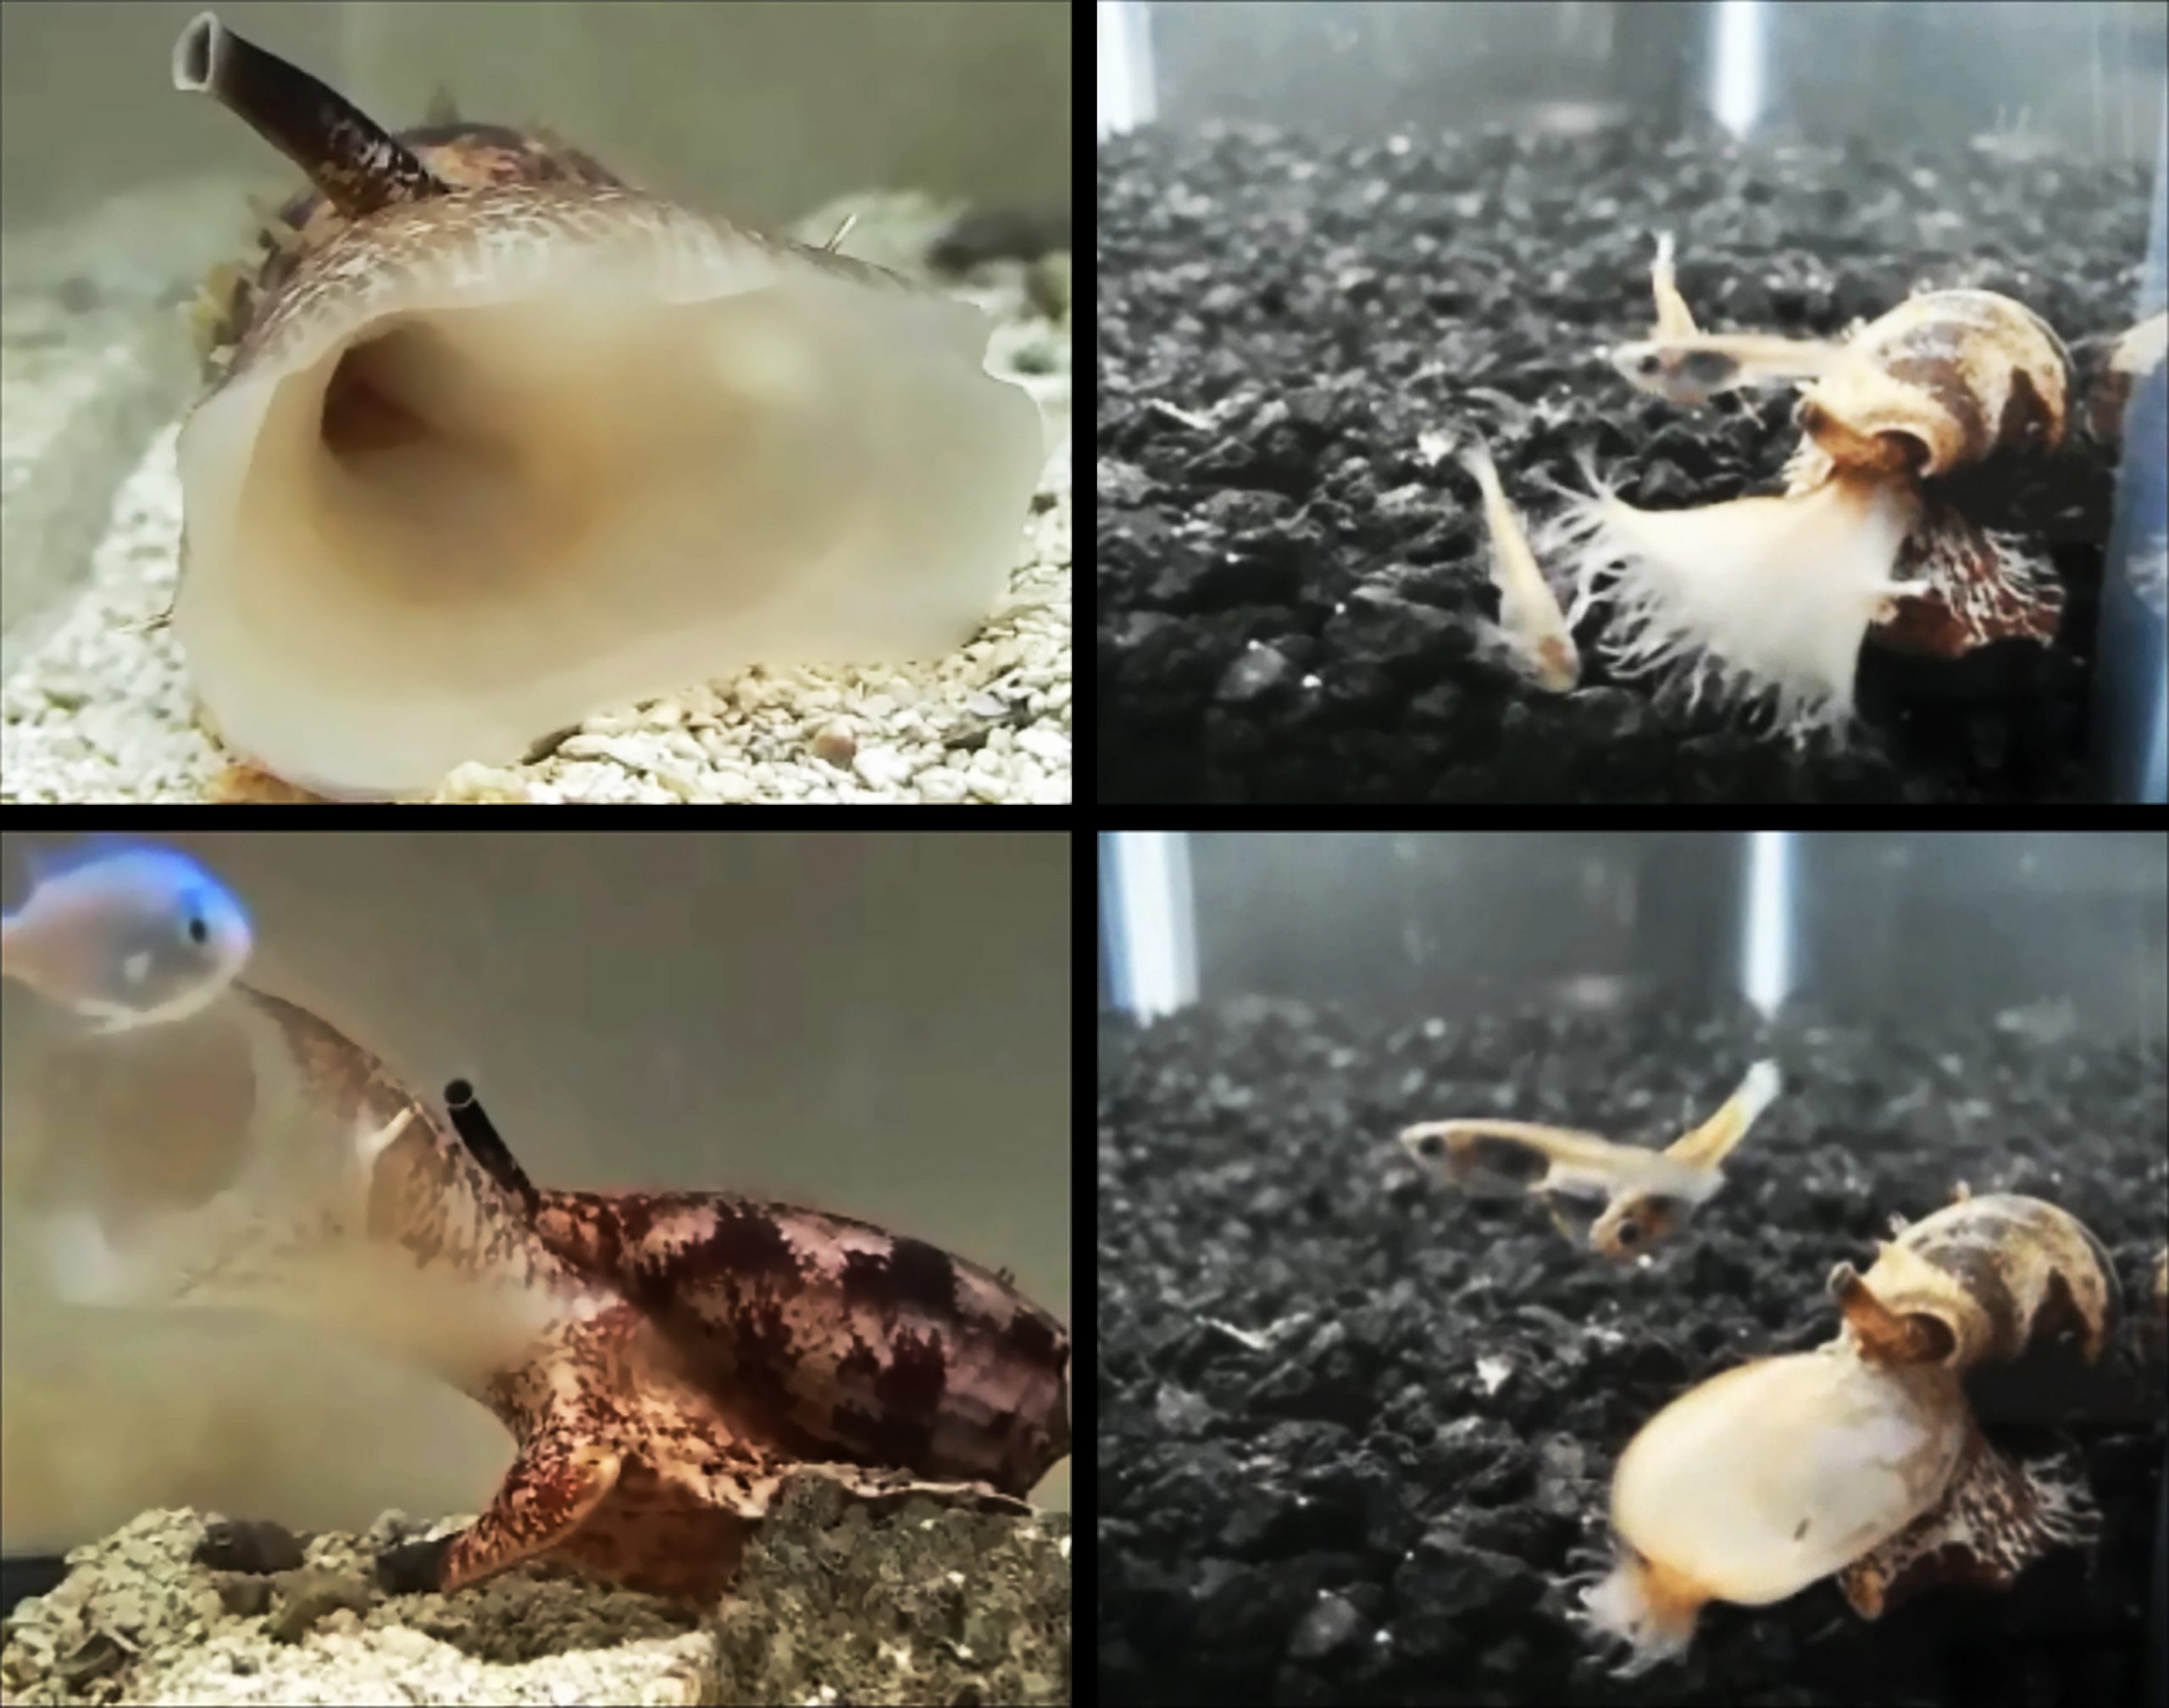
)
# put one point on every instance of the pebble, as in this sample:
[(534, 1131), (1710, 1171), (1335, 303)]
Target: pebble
[(1049, 745), (884, 768), (835, 743), (941, 784)]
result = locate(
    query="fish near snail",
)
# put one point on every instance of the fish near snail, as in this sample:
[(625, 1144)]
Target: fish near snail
[(492, 439), (1861, 1460), (1766, 600), (1647, 1195)]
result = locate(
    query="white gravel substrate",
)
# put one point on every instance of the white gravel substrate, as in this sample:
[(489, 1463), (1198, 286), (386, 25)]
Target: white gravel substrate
[(100, 710), (138, 1620)]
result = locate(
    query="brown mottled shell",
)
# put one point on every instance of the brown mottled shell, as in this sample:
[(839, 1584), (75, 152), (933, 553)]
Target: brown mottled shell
[(1941, 380), (1987, 586), (1980, 1281), (461, 155)]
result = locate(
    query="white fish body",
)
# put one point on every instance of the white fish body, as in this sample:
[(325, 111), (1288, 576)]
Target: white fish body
[(1528, 611), (126, 935), (1684, 365)]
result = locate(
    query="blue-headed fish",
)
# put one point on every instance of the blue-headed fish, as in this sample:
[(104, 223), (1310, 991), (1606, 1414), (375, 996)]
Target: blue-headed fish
[(125, 934)]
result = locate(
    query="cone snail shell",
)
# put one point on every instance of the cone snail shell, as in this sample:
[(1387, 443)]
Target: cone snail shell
[(501, 440)]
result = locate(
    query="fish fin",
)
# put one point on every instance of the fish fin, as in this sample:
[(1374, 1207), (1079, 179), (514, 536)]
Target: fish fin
[(1710, 1144), (1964, 586), (442, 108), (1807, 467)]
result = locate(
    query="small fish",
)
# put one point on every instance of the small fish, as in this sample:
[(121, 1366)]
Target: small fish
[(1683, 365), (125, 934), (1648, 1194), (1528, 612)]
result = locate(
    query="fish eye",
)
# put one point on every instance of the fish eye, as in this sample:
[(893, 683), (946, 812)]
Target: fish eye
[(1628, 1232), (1427, 1145), (198, 931)]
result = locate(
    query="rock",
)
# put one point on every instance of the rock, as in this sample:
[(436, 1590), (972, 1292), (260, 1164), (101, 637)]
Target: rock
[(973, 1606), (835, 743), (309, 1596), (1409, 642), (1258, 675), (231, 1544), (1329, 1627), (1192, 579)]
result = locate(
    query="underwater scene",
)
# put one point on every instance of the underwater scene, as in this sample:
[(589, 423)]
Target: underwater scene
[(535, 403), (534, 1269), (1598, 402), (1785, 1326)]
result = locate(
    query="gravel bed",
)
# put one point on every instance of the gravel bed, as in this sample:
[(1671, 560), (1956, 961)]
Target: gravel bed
[(1357, 1429), (924, 1604)]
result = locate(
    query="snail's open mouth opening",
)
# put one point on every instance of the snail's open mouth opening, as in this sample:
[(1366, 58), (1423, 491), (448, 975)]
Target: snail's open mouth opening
[(448, 526), (369, 407), (469, 457)]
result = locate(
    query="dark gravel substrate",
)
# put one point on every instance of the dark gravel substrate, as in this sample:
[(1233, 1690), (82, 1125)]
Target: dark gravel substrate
[(1323, 304), (1349, 1515)]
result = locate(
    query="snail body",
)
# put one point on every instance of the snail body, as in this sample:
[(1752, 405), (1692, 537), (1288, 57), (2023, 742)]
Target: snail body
[(1861, 1459), (1755, 1484)]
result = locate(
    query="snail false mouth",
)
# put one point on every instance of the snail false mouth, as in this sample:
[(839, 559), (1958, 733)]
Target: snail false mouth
[(1760, 601), (501, 458)]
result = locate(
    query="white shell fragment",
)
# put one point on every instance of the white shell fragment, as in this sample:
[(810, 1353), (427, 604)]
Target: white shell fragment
[(493, 459)]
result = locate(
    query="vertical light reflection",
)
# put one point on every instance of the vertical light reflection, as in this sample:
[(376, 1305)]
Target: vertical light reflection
[(1765, 970), (1736, 67), (1156, 945)]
